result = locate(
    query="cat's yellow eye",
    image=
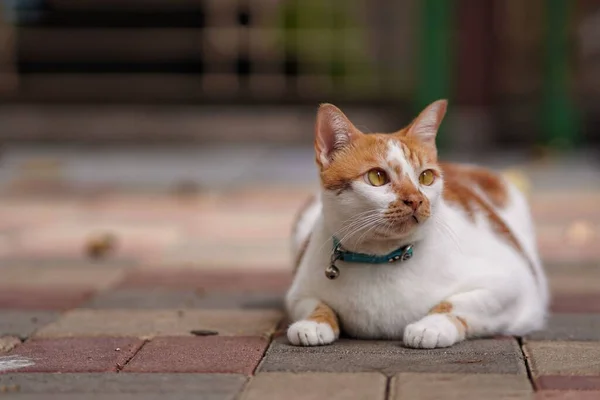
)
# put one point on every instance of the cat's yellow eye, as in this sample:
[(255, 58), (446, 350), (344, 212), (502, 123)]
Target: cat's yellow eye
[(377, 177), (427, 177)]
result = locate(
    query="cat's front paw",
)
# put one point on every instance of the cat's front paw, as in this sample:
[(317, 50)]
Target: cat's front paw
[(436, 330), (310, 333)]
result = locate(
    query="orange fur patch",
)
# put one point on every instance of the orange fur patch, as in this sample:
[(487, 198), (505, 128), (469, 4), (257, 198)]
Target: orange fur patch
[(489, 183), (324, 314), (460, 323), (458, 190), (364, 153), (444, 307)]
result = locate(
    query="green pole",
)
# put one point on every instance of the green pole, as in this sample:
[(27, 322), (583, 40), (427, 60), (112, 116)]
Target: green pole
[(434, 61), (559, 119)]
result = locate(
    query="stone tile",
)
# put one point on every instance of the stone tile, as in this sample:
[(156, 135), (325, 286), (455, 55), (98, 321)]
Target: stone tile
[(564, 382), (209, 354), (23, 323), (150, 298), (7, 343), (315, 386), (88, 277), (246, 300), (201, 386), (114, 396), (149, 323), (460, 386), (77, 354), (580, 327), (573, 279), (56, 298), (563, 358), (567, 395), (576, 303), (501, 356), (209, 281)]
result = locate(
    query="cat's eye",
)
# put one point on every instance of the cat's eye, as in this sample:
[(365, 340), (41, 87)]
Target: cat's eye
[(427, 177), (377, 177)]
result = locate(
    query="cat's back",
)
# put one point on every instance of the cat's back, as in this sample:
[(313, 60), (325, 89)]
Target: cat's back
[(490, 201), (485, 196)]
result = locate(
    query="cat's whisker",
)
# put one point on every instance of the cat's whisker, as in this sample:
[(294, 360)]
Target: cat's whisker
[(359, 219), (449, 231)]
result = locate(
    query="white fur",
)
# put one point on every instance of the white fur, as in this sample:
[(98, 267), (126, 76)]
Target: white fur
[(489, 284), (396, 156), (436, 330), (310, 333)]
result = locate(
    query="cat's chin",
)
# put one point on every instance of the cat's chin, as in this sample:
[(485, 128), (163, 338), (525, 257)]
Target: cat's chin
[(403, 230)]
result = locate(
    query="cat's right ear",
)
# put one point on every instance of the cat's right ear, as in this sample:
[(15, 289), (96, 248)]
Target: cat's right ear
[(333, 131)]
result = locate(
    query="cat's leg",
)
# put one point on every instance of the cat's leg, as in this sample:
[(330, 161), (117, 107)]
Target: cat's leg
[(317, 324), (474, 313)]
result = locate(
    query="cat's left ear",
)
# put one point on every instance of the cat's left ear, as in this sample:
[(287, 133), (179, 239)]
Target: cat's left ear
[(426, 125)]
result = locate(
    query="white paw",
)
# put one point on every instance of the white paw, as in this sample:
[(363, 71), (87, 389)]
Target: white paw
[(310, 333), (433, 331)]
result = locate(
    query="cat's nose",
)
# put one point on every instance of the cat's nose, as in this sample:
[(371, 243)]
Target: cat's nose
[(413, 203)]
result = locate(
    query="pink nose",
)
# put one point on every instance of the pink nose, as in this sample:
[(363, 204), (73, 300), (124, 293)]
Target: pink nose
[(413, 203)]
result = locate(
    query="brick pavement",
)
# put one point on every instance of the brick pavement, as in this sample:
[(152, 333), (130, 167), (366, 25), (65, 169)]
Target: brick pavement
[(187, 304)]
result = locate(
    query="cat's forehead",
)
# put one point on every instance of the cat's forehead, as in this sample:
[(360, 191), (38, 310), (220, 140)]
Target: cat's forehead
[(395, 150)]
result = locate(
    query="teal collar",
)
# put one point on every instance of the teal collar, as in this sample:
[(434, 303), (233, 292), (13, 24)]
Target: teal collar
[(403, 253)]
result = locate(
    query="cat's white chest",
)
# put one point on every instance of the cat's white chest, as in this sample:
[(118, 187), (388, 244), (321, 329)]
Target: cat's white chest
[(378, 301)]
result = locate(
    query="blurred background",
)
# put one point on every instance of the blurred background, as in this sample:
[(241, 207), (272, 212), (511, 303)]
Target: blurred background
[(107, 103)]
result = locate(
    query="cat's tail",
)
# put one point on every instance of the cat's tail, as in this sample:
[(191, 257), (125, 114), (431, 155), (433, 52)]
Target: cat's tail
[(303, 226)]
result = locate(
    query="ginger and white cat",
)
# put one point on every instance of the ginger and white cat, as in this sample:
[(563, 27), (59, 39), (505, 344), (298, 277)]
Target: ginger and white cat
[(475, 270)]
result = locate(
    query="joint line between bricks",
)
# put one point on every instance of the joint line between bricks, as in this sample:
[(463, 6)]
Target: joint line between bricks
[(121, 367), (388, 384), (527, 363)]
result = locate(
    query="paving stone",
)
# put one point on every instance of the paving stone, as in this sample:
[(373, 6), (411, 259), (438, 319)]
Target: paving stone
[(84, 385), (215, 281), (389, 357), (460, 386), (168, 298), (316, 386), (77, 354), (88, 277), (7, 343), (114, 396), (563, 358), (142, 299), (238, 355), (28, 298), (564, 382), (150, 323), (576, 303), (579, 327), (573, 280), (23, 323), (567, 395)]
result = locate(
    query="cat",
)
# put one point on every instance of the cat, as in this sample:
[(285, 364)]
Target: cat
[(474, 272)]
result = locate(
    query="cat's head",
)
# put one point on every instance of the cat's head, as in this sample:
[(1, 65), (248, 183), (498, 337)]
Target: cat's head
[(378, 186)]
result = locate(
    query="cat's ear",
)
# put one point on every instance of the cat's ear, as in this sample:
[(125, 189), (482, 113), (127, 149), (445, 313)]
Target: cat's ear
[(333, 131), (426, 125)]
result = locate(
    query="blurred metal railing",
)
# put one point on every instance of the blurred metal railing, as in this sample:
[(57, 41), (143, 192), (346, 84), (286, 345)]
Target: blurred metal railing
[(513, 67)]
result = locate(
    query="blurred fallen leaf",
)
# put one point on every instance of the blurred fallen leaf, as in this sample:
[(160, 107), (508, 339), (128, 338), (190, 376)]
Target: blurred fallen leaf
[(101, 245)]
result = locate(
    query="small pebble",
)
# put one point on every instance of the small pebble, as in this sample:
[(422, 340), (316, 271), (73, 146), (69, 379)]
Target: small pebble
[(118, 349)]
